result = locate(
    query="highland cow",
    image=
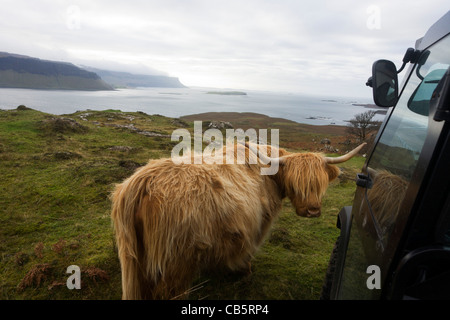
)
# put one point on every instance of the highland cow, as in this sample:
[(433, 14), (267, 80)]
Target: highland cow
[(172, 221)]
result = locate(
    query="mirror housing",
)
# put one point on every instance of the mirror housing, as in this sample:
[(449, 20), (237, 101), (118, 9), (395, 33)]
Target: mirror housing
[(384, 82)]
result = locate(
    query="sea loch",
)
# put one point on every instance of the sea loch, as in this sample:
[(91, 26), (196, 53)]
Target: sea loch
[(176, 102)]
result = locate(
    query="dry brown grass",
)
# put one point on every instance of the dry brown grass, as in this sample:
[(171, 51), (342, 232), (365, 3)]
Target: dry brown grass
[(38, 248), (95, 274), (37, 274)]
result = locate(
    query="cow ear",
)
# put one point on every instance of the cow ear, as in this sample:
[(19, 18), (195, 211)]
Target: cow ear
[(332, 171), (282, 152)]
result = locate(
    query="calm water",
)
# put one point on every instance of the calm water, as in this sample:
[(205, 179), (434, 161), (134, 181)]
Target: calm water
[(178, 102)]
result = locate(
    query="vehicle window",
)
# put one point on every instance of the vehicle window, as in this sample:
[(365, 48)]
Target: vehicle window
[(420, 99), (391, 168)]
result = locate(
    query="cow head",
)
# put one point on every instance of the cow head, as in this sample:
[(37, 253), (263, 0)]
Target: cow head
[(305, 177)]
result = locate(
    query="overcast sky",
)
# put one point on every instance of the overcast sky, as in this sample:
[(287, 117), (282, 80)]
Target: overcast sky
[(312, 47)]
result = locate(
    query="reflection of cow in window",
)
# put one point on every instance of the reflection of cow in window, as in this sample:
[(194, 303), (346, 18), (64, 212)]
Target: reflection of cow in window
[(385, 198)]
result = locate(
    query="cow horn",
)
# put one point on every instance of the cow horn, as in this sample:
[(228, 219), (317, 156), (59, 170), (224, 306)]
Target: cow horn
[(348, 156), (265, 159)]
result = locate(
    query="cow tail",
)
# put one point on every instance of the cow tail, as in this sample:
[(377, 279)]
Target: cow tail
[(124, 206)]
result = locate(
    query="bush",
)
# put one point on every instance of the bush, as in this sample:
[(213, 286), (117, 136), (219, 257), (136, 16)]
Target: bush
[(62, 125)]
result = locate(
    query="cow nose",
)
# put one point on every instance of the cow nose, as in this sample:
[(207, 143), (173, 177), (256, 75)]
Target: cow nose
[(313, 212)]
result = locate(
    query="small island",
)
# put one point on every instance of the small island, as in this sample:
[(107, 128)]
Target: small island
[(228, 93)]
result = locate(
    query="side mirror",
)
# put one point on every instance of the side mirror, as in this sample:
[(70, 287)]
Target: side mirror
[(384, 83)]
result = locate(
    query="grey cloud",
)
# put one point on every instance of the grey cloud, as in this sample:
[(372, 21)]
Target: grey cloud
[(321, 45)]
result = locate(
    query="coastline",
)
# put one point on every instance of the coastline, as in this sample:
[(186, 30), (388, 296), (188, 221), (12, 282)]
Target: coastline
[(246, 120), (187, 101), (379, 110)]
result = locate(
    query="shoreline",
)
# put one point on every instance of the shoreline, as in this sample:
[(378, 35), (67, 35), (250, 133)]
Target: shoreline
[(178, 102), (243, 120), (246, 120)]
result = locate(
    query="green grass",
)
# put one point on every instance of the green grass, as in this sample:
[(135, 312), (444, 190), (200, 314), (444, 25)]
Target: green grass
[(55, 212)]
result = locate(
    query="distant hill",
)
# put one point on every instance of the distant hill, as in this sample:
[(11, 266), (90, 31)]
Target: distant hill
[(18, 71), (128, 80)]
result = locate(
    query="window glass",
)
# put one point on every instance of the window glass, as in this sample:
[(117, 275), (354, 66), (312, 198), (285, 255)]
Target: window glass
[(391, 166)]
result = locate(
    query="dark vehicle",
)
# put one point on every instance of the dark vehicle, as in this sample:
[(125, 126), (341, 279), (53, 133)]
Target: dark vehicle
[(395, 239)]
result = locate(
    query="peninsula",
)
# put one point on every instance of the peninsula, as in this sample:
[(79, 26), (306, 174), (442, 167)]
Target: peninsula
[(18, 71)]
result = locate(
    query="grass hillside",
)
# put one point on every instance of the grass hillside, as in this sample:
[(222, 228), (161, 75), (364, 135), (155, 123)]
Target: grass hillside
[(293, 135), (18, 71), (58, 171)]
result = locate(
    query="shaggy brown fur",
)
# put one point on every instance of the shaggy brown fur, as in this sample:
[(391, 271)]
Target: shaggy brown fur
[(385, 198), (172, 221)]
